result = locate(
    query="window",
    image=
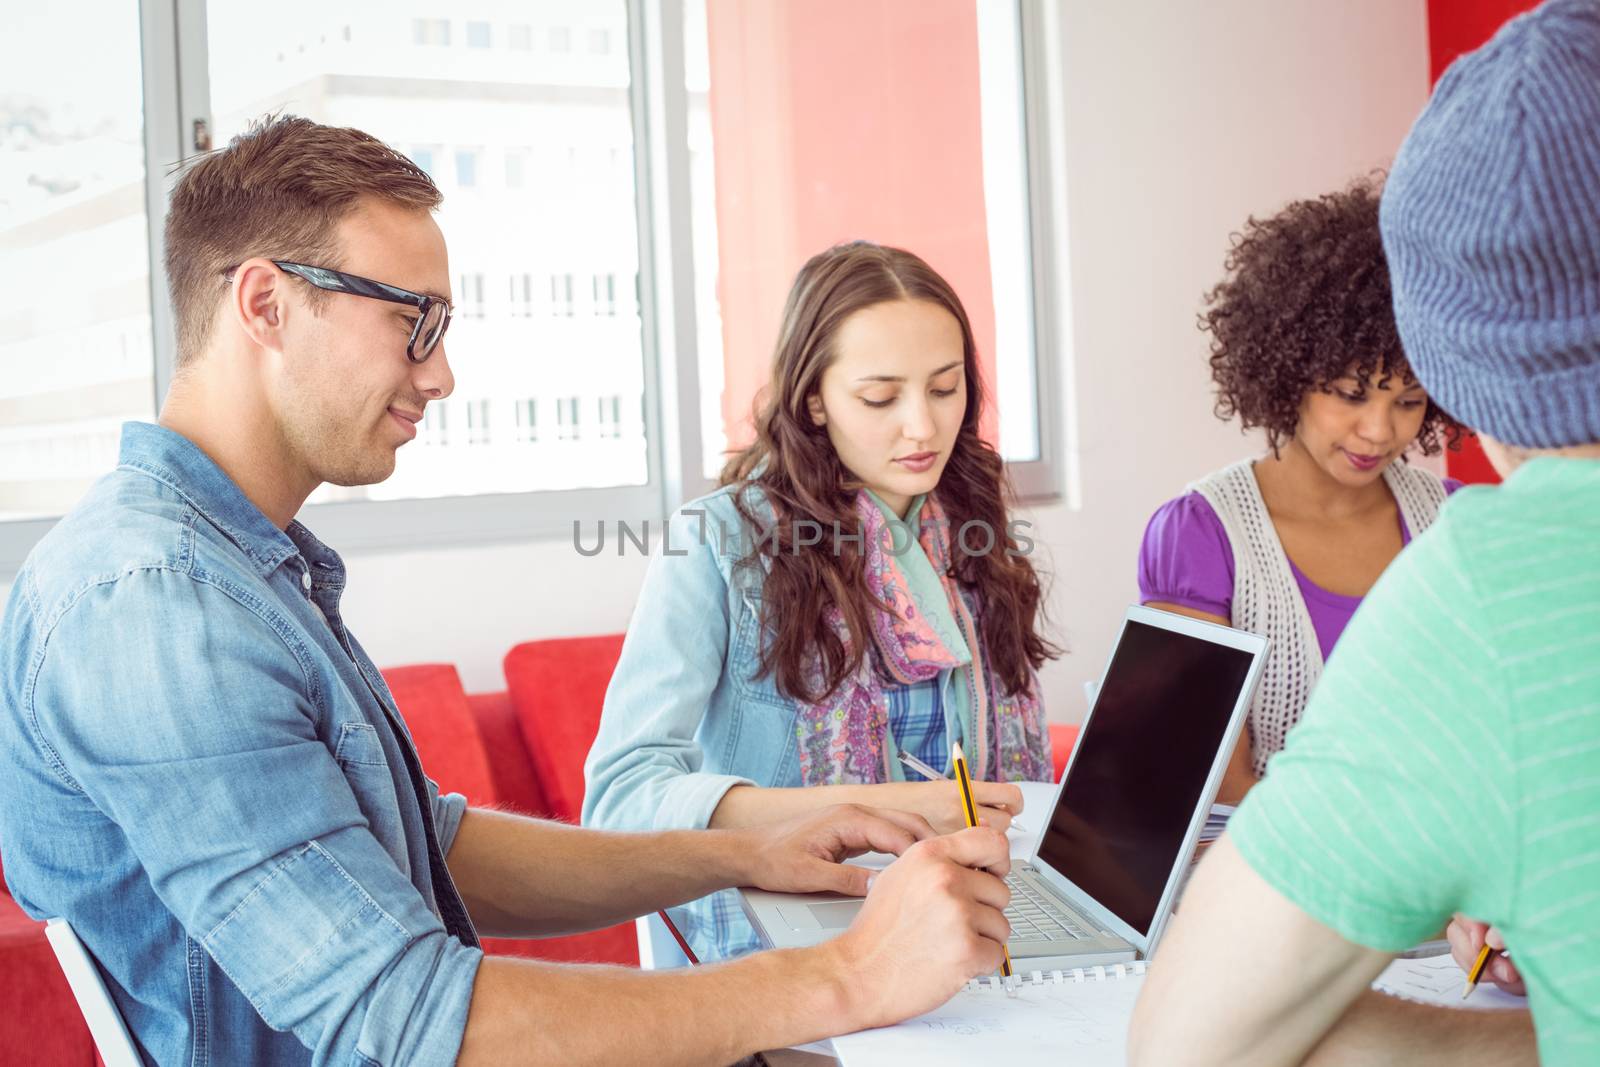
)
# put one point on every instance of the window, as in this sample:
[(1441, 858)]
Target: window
[(567, 418), (424, 158), (76, 344), (466, 119), (79, 170), (521, 295), (561, 295), (424, 31), (435, 424), (516, 168), (605, 294), (478, 422), (469, 296), (467, 167), (528, 420), (610, 416), (950, 185)]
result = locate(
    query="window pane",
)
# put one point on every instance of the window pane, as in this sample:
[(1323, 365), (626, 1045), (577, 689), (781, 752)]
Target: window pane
[(891, 122), (534, 156), (74, 251)]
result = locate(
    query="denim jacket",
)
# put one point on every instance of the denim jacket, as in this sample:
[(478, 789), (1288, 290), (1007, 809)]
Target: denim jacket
[(686, 719), (204, 773)]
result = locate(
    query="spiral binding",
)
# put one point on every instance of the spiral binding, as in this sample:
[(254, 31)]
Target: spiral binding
[(1100, 973)]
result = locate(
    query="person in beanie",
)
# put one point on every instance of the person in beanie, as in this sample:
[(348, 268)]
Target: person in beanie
[(1449, 762)]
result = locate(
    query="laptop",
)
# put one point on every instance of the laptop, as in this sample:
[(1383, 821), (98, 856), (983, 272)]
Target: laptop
[(1150, 756)]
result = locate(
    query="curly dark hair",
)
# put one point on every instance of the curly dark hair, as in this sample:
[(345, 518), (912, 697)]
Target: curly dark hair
[(1305, 303)]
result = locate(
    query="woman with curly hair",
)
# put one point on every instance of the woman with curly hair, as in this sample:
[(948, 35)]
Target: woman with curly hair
[(852, 592), (1303, 346)]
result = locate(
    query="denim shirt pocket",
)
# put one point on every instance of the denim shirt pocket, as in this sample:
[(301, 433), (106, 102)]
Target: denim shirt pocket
[(359, 752), (761, 743), (745, 662)]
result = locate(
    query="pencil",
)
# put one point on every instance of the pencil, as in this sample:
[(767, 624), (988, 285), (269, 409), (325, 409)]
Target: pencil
[(939, 776), (958, 760), (1477, 970)]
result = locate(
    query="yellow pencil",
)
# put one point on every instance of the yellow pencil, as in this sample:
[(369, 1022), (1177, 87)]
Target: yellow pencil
[(958, 759), (1477, 970)]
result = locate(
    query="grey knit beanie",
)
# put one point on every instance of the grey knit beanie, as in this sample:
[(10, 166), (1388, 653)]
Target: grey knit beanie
[(1491, 225)]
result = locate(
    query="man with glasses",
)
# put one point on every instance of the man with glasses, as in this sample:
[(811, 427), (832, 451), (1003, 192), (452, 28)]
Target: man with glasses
[(203, 772)]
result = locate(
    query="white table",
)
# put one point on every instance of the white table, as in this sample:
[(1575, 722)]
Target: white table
[(1037, 798)]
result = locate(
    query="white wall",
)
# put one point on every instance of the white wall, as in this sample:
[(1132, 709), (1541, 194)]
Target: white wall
[(1180, 120)]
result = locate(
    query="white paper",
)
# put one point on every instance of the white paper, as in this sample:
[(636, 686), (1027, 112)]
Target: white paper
[(1082, 1022), (1437, 980)]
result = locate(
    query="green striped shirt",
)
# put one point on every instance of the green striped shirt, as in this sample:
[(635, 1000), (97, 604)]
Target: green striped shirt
[(1450, 758)]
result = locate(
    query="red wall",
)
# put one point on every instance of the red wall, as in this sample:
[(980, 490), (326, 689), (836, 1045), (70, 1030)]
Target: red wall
[(1454, 27), (834, 120)]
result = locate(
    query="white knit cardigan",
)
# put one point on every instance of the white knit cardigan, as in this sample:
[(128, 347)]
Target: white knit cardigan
[(1267, 600)]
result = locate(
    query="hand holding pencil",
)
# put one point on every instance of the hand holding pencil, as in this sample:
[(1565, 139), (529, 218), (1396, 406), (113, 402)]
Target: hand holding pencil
[(958, 761), (1479, 950)]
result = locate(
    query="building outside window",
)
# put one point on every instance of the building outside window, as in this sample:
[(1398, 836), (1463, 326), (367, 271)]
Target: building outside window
[(467, 166), (563, 300), (605, 294), (516, 168), (435, 428), (434, 32), (609, 409), (425, 157), (567, 428), (527, 412), (478, 422), (469, 296), (520, 291)]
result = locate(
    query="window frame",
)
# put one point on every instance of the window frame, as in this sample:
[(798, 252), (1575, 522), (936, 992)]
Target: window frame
[(174, 59)]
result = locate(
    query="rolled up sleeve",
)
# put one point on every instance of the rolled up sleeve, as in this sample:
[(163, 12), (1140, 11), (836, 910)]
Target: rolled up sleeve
[(448, 809), (193, 728), (644, 771)]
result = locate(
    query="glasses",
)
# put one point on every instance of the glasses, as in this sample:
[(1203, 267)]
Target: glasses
[(433, 314)]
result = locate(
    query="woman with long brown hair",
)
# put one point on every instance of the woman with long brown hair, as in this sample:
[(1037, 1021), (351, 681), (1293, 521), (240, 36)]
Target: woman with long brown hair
[(853, 591)]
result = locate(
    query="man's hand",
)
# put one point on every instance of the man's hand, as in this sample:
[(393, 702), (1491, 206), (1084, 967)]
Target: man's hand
[(1467, 938), (933, 920), (806, 854)]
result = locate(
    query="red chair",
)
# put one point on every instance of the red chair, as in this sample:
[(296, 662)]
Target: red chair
[(41, 1022), (446, 733), (557, 689), (450, 741), (1062, 737)]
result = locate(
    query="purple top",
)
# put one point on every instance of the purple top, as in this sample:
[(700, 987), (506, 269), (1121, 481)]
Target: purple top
[(1186, 559)]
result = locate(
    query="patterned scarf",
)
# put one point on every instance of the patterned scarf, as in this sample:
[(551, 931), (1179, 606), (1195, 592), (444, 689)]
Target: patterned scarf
[(845, 739)]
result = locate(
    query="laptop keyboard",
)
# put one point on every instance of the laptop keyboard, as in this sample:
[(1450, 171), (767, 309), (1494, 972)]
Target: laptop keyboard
[(1035, 916)]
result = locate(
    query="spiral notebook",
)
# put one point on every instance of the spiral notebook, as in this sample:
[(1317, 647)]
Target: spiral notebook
[(1439, 980), (1077, 1016)]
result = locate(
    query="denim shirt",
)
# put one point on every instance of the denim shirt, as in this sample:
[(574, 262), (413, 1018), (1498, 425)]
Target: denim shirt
[(203, 772), (685, 718)]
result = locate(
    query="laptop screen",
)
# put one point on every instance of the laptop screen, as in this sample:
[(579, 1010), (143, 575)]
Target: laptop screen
[(1143, 760)]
